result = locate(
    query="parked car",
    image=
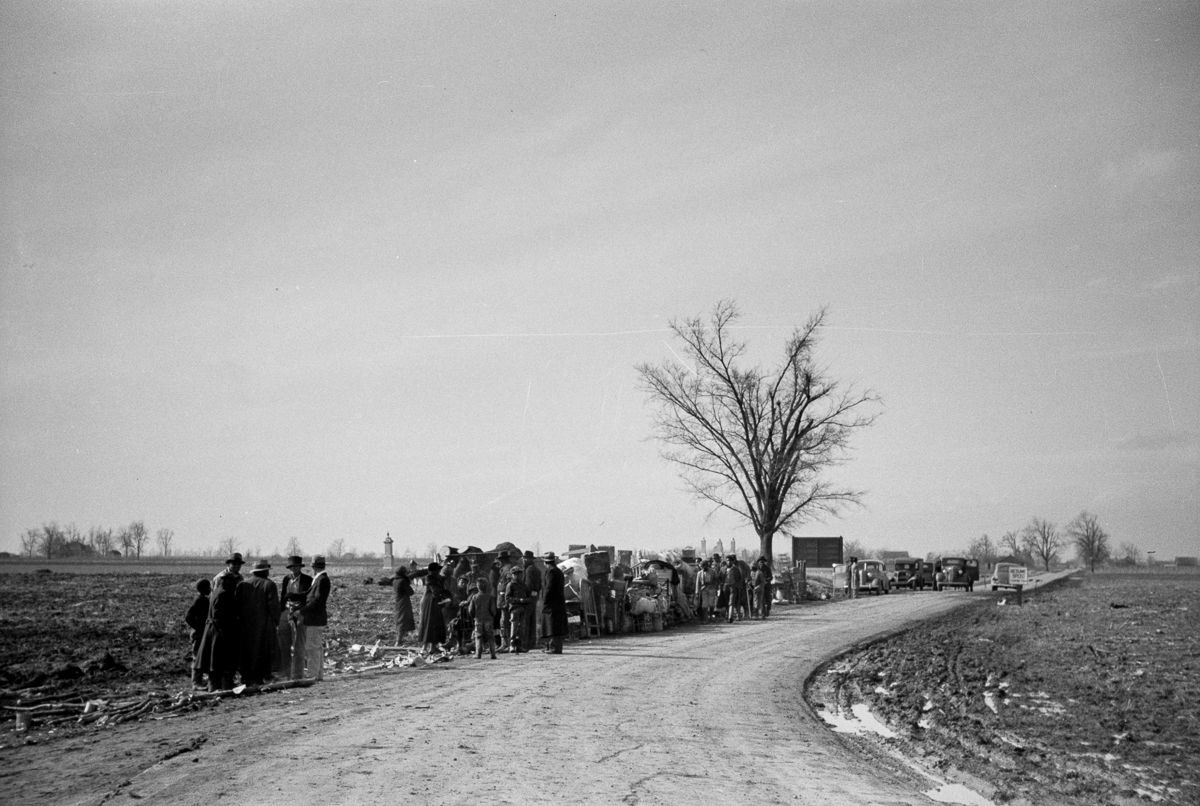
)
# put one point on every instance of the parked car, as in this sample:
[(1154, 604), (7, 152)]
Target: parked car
[(1001, 577), (954, 572), (873, 576), (906, 573)]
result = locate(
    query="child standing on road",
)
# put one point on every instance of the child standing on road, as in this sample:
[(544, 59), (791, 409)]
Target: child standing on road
[(482, 607)]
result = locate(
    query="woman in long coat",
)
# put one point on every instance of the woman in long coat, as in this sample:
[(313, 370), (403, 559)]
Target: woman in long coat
[(402, 587), (432, 630), (222, 634)]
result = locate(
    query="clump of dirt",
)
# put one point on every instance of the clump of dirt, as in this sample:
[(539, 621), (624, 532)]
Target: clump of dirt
[(1087, 691)]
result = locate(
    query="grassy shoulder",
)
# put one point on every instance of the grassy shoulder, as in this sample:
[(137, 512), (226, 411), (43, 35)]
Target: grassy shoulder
[(1085, 694)]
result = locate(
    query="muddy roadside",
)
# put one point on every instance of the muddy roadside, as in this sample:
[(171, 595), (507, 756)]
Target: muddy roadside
[(1086, 694)]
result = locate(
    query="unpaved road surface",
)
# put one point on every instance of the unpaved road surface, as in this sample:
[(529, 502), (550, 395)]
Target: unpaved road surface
[(714, 712)]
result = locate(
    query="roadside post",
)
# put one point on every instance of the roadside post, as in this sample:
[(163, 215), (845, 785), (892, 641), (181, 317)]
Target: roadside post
[(1019, 577)]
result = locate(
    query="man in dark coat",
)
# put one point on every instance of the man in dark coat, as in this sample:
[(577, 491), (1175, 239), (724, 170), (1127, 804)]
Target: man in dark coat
[(735, 585), (403, 591), (533, 589), (258, 603), (554, 601), (222, 644), (292, 593), (233, 566), (315, 617)]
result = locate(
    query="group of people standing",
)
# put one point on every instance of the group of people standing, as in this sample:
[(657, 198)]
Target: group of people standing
[(510, 606), (248, 627), (733, 589)]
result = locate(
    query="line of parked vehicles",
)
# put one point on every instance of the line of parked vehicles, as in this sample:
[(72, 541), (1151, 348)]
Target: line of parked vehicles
[(880, 576)]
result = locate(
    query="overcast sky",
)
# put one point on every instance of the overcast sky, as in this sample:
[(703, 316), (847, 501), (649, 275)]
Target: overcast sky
[(338, 270)]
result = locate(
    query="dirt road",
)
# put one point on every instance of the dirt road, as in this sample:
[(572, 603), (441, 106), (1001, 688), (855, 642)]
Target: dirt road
[(641, 719)]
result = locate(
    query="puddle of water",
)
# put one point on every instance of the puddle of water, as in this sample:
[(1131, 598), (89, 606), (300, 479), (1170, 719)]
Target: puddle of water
[(863, 721), (957, 793), (863, 712)]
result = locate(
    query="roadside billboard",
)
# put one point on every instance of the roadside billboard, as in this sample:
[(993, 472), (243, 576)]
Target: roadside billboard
[(817, 552)]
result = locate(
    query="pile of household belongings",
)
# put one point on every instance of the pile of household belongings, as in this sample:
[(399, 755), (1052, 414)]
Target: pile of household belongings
[(649, 591)]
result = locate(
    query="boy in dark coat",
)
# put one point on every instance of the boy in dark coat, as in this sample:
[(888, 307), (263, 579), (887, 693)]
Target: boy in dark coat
[(516, 599), (482, 607), (196, 618)]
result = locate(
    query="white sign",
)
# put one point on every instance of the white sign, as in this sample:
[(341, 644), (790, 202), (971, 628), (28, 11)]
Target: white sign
[(1018, 575)]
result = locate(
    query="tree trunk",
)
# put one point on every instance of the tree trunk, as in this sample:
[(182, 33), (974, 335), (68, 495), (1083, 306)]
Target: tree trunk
[(764, 547)]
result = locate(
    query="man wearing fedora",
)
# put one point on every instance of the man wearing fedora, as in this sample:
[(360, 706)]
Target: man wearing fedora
[(233, 566), (554, 601), (315, 616), (533, 611), (258, 601), (292, 593)]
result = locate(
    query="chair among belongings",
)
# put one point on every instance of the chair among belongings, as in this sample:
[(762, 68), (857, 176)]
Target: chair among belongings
[(589, 609)]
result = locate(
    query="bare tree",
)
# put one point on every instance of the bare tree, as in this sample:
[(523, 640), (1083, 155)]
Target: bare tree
[(293, 547), (227, 546), (1129, 554), (164, 537), (431, 551), (101, 540), (1091, 542), (52, 540), (755, 443), (336, 549), (1012, 544), (854, 548), (138, 537), (1042, 540), (30, 540), (984, 550)]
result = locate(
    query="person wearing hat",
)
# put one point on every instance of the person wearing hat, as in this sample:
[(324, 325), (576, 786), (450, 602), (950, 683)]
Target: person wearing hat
[(533, 612), (482, 608), (459, 623), (315, 617), (233, 565), (706, 592), (258, 600), (431, 631), (403, 590), (197, 618), (762, 587), (516, 602), (554, 601), (290, 633), (221, 646), (734, 586)]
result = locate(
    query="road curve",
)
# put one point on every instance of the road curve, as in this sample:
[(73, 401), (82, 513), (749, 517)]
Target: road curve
[(642, 719)]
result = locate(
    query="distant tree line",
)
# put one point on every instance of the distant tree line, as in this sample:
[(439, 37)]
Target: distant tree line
[(52, 540), (1040, 542), (336, 550)]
